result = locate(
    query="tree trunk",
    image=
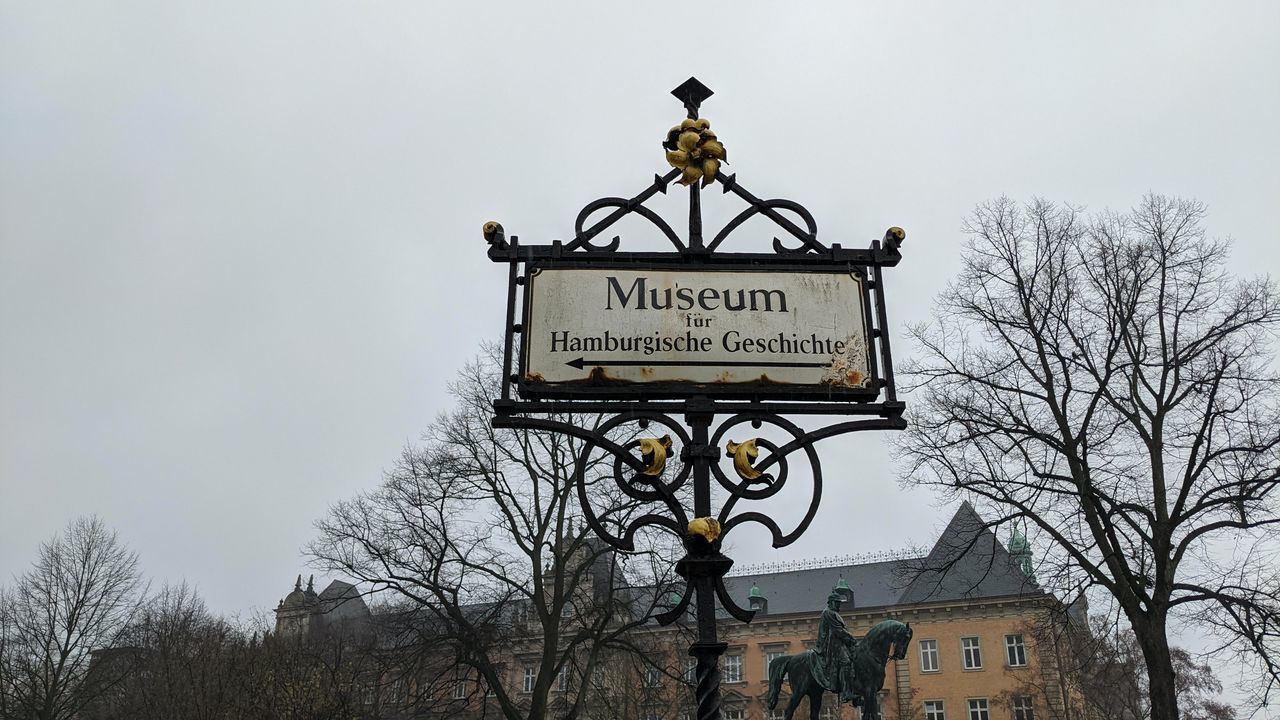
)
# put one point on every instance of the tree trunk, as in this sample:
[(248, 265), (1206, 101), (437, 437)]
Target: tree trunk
[(1153, 637)]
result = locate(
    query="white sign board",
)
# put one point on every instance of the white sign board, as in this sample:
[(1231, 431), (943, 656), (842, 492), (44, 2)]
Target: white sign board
[(705, 327)]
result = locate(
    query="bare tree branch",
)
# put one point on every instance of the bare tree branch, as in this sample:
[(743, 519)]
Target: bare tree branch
[(1106, 382)]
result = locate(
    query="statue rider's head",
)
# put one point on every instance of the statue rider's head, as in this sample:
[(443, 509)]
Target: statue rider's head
[(834, 600)]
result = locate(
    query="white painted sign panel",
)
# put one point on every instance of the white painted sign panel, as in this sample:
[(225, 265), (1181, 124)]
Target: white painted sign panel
[(609, 325)]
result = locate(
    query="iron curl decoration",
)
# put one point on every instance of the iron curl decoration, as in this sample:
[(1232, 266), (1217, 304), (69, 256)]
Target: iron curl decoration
[(743, 490), (624, 206), (808, 236), (629, 476), (584, 234), (627, 472), (582, 238)]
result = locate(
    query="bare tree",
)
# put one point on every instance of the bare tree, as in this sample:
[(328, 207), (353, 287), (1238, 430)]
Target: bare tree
[(8, 659), (1104, 383), (184, 662), (181, 662), (478, 532), (314, 676), (654, 683), (1095, 671), (78, 598)]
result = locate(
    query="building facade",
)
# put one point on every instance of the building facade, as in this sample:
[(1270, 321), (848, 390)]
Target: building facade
[(971, 603)]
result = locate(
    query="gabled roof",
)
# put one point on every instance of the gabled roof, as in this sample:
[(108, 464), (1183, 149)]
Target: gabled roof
[(873, 584), (341, 604), (967, 562)]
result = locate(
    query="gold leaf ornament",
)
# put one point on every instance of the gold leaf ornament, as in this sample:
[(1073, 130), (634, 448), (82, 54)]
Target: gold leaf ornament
[(654, 451), (707, 528), (744, 456), (692, 148)]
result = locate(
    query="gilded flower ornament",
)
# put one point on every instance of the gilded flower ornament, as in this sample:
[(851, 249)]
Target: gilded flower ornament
[(692, 148)]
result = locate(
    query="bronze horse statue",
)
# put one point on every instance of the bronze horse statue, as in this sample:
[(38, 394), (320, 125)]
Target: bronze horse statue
[(885, 641)]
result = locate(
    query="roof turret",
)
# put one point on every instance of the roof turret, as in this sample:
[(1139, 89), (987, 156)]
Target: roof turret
[(297, 598), (756, 601), (311, 589), (1018, 543)]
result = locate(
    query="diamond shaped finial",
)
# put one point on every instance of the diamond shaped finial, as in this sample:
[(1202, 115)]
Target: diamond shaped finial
[(692, 92)]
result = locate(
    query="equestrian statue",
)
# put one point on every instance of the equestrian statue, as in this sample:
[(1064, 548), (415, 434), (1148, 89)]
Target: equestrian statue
[(853, 669)]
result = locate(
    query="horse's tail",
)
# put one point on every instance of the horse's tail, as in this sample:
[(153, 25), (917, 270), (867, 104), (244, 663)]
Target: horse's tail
[(777, 669)]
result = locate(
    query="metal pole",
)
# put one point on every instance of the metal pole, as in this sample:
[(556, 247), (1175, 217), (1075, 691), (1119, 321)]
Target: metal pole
[(703, 565)]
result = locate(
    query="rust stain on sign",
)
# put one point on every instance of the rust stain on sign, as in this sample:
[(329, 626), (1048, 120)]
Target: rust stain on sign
[(845, 369)]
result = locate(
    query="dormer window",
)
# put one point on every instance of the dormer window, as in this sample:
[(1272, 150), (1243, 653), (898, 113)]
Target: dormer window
[(756, 600)]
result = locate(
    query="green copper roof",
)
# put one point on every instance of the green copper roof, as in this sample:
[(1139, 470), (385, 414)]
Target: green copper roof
[(841, 584), (755, 591), (1018, 543)]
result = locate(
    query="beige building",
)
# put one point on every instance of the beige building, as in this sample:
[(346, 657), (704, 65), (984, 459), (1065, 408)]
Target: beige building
[(971, 656)]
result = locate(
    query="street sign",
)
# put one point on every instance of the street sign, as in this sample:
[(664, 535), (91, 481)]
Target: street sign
[(614, 331), (649, 342)]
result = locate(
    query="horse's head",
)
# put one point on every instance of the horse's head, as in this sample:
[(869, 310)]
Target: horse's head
[(889, 639), (901, 639)]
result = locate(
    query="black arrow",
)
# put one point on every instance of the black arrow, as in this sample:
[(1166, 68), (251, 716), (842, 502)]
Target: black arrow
[(580, 363)]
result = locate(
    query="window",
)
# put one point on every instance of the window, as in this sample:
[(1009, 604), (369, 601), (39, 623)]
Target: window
[(1022, 709), (1015, 649), (459, 685), (769, 657), (397, 691), (651, 713), (732, 668), (691, 671), (652, 677), (776, 714), (978, 709), (734, 714), (933, 710), (562, 678), (530, 679), (928, 656), (972, 653), (830, 711)]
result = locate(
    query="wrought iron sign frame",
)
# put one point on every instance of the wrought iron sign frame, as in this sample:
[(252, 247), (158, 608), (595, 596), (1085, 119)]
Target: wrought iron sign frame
[(639, 467)]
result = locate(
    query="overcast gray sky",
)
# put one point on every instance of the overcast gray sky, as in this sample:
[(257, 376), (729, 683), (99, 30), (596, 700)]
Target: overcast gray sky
[(240, 250)]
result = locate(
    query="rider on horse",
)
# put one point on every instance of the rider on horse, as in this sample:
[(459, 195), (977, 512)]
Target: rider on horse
[(854, 669), (832, 666)]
